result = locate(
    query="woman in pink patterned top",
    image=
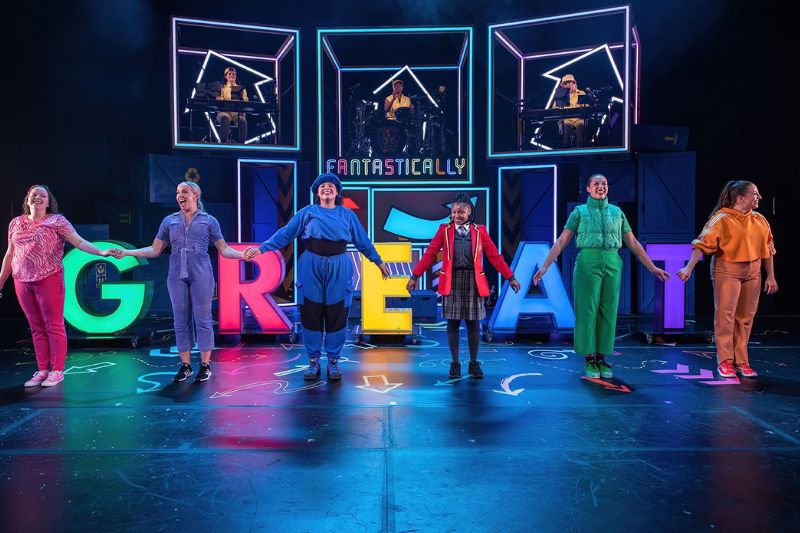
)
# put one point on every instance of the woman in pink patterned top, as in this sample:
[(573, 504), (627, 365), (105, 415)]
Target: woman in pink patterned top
[(35, 248)]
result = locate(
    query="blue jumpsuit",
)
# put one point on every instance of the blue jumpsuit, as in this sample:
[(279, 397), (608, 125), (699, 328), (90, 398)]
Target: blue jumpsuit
[(324, 283), (190, 280)]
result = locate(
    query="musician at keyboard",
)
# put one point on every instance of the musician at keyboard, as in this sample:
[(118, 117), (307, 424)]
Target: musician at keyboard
[(231, 90), (567, 96)]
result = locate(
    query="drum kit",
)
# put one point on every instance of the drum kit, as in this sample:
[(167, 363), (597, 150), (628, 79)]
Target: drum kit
[(414, 132)]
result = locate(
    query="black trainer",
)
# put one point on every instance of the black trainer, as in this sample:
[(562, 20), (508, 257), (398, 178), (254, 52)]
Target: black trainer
[(334, 374), (455, 370), (475, 370), (313, 370), (204, 373), (184, 372)]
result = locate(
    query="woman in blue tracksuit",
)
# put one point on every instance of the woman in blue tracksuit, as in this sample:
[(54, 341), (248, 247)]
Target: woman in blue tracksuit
[(324, 271)]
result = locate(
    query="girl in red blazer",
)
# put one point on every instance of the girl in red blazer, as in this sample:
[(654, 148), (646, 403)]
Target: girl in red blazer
[(462, 282)]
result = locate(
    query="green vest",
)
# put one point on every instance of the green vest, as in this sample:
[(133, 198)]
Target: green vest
[(598, 225)]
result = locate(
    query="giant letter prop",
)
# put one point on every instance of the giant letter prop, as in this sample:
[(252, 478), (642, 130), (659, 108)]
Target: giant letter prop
[(375, 318), (554, 300), (232, 290)]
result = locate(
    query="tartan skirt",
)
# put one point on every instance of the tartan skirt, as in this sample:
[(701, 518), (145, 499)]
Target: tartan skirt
[(464, 303)]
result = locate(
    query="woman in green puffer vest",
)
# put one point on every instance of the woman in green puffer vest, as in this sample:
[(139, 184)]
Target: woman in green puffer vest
[(601, 228)]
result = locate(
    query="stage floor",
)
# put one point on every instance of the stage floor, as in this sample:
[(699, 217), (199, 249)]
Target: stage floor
[(397, 446)]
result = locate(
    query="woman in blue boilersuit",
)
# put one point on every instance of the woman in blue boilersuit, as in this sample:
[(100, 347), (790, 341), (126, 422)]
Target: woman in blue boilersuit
[(190, 280), (324, 271)]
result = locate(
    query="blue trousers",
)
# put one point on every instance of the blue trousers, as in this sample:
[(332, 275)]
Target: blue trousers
[(191, 303), (324, 294)]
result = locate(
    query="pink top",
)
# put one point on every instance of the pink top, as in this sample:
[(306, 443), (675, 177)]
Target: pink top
[(38, 246)]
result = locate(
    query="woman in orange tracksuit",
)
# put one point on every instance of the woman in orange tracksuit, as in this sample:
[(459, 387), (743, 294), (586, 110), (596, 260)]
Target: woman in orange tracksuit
[(740, 241), (462, 282)]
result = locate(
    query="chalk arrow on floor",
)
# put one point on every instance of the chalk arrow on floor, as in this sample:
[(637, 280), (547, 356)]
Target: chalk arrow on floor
[(506, 383)]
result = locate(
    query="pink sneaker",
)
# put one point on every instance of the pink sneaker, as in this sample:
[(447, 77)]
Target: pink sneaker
[(745, 371), (54, 378), (726, 370), (37, 378)]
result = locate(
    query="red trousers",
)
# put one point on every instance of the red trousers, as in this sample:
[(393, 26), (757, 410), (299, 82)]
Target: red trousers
[(43, 304)]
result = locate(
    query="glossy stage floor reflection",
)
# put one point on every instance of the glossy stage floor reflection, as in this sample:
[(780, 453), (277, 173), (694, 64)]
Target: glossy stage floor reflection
[(397, 446)]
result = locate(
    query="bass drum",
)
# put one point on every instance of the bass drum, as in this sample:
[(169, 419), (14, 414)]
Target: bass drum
[(403, 115), (389, 139)]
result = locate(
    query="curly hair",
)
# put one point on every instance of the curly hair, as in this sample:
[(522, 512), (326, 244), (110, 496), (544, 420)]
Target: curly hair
[(53, 203)]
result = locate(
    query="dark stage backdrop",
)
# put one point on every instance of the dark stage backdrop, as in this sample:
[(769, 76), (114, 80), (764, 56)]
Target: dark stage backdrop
[(86, 93)]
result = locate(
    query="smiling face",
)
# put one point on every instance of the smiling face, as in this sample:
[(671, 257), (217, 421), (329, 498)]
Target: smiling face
[(187, 197), (749, 199), (230, 76), (460, 213), (598, 187), (38, 199), (327, 192)]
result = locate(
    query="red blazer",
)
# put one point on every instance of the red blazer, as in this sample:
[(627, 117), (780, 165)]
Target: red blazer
[(481, 243)]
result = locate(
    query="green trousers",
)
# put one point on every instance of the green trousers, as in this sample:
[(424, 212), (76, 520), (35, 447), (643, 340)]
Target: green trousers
[(595, 288)]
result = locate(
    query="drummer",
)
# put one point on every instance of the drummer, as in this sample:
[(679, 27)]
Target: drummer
[(396, 100)]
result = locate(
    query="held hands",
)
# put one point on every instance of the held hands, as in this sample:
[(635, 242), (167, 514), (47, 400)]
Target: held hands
[(116, 253), (250, 253)]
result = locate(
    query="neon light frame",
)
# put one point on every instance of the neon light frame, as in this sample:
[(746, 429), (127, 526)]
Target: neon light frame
[(428, 189), (274, 162), (266, 79), (629, 31), (500, 171), (293, 37), (322, 42), (637, 66)]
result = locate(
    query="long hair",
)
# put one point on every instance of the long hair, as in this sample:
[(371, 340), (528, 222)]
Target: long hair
[(730, 192), (196, 188), (463, 198), (52, 202)]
